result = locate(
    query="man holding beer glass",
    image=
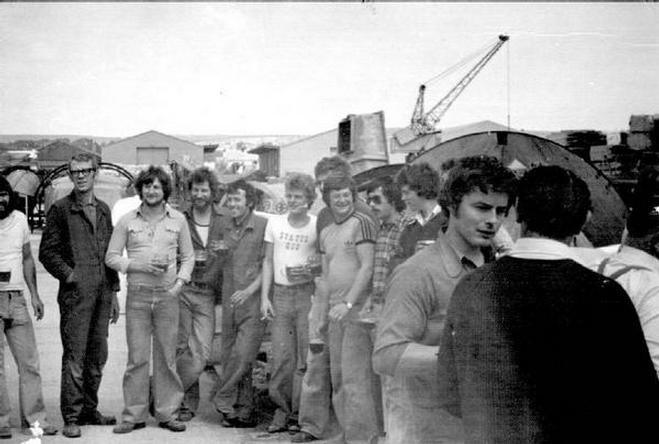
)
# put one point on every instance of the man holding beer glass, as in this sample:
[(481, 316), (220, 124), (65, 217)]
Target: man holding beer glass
[(154, 235)]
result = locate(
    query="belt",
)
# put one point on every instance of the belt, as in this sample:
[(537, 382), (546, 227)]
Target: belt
[(200, 285), (303, 284)]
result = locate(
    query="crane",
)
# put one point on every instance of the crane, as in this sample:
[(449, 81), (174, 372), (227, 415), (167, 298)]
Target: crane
[(424, 124)]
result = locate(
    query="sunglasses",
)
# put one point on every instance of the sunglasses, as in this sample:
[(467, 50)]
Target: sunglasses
[(82, 172), (377, 200)]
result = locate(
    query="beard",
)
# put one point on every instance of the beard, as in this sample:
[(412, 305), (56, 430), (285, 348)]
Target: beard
[(5, 210)]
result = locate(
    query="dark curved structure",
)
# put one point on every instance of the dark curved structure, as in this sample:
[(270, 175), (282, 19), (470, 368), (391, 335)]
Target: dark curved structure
[(365, 177), (522, 151)]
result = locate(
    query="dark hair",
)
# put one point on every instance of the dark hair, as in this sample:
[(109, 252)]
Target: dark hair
[(421, 178), (201, 175), (149, 175), (84, 157), (338, 182), (302, 182), (250, 191), (5, 186), (483, 173), (643, 218), (334, 164), (390, 190), (553, 202)]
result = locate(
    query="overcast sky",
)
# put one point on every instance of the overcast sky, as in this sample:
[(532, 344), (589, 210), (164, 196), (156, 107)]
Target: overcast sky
[(113, 69)]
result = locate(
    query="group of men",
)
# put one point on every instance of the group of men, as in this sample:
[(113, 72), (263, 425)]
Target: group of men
[(411, 314)]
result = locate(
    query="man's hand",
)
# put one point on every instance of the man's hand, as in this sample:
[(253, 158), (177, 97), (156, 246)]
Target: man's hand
[(176, 289), (239, 297), (71, 278), (37, 306), (114, 312), (267, 312), (145, 267), (338, 312)]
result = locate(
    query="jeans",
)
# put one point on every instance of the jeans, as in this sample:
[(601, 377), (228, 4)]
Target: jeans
[(316, 412), (355, 387), (195, 336), (290, 342), (242, 333), (84, 320), (17, 327), (151, 313)]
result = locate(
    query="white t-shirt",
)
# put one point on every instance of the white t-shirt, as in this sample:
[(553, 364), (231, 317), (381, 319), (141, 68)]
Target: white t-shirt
[(14, 233), (293, 247)]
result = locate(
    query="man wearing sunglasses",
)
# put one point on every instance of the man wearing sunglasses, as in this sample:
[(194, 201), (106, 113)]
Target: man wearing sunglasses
[(73, 245)]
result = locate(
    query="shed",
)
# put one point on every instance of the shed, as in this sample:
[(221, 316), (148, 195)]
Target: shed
[(58, 153), (153, 148)]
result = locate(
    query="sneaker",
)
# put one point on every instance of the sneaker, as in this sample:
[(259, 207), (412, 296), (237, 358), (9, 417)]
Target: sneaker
[(71, 430), (96, 418), (5, 432), (172, 425), (303, 437), (127, 427)]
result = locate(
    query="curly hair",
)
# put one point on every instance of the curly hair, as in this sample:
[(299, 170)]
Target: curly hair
[(420, 178), (201, 175), (149, 175), (483, 173), (304, 183), (553, 202), (390, 190), (334, 164), (251, 196), (338, 182)]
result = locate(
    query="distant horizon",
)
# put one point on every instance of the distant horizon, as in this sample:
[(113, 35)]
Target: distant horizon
[(236, 69)]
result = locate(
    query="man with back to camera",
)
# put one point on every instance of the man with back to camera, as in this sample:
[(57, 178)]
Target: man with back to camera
[(73, 246), (17, 266), (478, 194), (197, 300), (538, 348), (635, 266), (242, 326), (155, 237)]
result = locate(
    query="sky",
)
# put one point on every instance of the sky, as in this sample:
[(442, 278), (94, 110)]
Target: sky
[(119, 69)]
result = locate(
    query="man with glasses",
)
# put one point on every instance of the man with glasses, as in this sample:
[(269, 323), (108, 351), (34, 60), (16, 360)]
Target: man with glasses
[(73, 245)]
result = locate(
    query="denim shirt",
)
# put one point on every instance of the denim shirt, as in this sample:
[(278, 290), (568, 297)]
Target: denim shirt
[(169, 236)]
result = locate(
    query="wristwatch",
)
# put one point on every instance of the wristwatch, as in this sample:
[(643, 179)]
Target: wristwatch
[(348, 304)]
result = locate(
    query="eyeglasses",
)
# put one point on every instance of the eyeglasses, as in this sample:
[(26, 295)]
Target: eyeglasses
[(82, 172)]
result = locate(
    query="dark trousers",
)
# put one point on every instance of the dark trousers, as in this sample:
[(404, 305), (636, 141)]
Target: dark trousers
[(84, 319), (242, 333)]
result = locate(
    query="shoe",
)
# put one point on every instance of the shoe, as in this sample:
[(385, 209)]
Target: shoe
[(97, 418), (293, 428), (276, 428), (303, 437), (127, 427), (5, 432), (71, 430), (172, 425), (185, 415), (224, 420), (49, 430)]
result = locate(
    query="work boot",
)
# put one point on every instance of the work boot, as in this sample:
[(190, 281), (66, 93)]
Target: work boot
[(71, 430), (172, 425)]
